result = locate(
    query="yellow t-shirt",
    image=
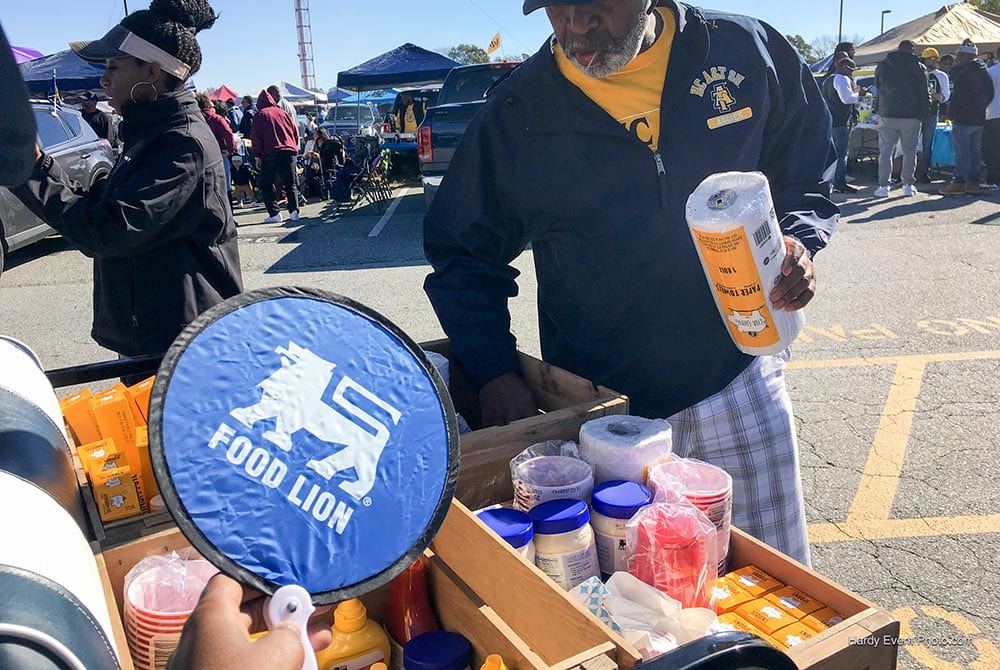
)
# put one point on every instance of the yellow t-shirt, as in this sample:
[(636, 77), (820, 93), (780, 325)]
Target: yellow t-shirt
[(632, 95), (409, 120)]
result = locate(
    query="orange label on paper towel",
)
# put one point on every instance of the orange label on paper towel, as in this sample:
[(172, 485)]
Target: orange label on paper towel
[(737, 284)]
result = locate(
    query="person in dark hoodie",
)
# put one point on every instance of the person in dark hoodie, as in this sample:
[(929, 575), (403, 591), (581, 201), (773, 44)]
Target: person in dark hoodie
[(275, 143), (971, 95), (903, 103), (102, 123), (160, 231)]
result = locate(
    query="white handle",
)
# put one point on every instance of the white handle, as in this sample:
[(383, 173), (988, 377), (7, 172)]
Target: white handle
[(292, 603)]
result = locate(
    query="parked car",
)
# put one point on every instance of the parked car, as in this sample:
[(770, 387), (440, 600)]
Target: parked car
[(64, 135), (462, 95), (350, 117)]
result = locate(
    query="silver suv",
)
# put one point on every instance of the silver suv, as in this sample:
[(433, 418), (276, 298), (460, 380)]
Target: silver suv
[(63, 134)]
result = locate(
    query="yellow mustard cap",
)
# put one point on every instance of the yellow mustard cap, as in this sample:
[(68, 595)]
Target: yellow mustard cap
[(494, 662), (350, 616)]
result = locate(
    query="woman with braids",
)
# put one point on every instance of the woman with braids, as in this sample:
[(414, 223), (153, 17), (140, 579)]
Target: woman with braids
[(159, 229)]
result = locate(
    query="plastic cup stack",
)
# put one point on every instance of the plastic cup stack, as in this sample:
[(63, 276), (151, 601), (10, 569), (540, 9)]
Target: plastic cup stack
[(707, 487), (158, 601)]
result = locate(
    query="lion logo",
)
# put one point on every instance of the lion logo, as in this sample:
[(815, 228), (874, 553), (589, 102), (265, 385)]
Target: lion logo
[(293, 396)]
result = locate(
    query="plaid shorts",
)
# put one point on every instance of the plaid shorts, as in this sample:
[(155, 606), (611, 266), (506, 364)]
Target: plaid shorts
[(748, 430)]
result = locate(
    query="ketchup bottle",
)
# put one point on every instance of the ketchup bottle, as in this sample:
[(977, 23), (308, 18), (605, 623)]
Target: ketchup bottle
[(409, 613)]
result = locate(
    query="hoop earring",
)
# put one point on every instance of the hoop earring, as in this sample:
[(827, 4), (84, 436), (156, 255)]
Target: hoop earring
[(131, 93)]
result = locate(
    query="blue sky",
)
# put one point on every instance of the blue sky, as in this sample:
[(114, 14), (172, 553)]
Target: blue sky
[(254, 42)]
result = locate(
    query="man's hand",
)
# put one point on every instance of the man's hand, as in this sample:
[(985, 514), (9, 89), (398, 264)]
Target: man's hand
[(797, 285), (217, 636), (504, 399)]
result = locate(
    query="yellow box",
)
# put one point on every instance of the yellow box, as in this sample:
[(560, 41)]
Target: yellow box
[(115, 420), (149, 487), (764, 615), (793, 635), (736, 623), (80, 418), (822, 619), (137, 416), (794, 602), (140, 394), (754, 580), (727, 595), (96, 451), (116, 494)]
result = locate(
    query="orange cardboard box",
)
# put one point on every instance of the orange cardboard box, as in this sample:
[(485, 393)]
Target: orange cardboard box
[(80, 417), (793, 635), (822, 619), (115, 421), (149, 487), (98, 450), (794, 602), (137, 416), (116, 494), (140, 394), (754, 580), (727, 595), (733, 621), (765, 616)]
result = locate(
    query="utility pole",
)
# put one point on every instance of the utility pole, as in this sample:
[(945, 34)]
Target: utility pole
[(306, 65), (125, 2), (840, 26)]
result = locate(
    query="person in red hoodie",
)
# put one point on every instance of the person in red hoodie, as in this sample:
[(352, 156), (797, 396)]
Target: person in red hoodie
[(275, 143), (223, 133)]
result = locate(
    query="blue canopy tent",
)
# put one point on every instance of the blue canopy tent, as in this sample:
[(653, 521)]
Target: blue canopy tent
[(72, 73), (406, 65), (337, 94), (294, 93), (821, 65)]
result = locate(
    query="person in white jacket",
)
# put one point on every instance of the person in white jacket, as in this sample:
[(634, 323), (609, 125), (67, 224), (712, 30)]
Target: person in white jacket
[(939, 88)]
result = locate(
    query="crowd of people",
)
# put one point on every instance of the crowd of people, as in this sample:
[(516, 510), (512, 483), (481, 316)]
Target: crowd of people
[(912, 95)]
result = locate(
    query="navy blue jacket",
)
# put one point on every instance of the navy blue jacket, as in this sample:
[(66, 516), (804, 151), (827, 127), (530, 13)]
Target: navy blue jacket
[(622, 297), (971, 94)]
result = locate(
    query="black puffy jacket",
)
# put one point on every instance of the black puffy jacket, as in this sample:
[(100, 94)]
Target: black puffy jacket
[(902, 87), (159, 229), (971, 94)]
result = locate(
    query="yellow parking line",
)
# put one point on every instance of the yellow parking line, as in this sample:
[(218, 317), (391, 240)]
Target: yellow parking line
[(885, 529), (880, 478), (894, 360)]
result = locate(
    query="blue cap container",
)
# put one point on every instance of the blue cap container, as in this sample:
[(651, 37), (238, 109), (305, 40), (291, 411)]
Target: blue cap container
[(619, 498), (437, 650), (559, 516), (514, 526)]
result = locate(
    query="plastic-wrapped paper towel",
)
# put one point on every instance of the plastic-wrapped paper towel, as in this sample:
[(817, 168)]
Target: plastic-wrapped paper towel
[(735, 229), (622, 447)]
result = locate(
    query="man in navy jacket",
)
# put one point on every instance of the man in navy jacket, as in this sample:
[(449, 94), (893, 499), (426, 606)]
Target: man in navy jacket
[(588, 152)]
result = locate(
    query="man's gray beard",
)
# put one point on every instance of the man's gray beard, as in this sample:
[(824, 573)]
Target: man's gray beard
[(614, 58)]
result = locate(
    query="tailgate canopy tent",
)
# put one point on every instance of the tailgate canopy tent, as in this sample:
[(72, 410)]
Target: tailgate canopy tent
[(223, 93), (406, 65), (944, 30), (72, 73), (293, 93), (23, 54)]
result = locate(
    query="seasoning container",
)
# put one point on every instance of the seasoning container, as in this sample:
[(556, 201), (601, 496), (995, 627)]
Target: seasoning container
[(357, 641), (439, 650), (514, 526), (409, 612), (564, 542), (615, 502)]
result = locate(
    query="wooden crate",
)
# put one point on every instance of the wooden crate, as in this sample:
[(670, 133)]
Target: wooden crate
[(566, 401)]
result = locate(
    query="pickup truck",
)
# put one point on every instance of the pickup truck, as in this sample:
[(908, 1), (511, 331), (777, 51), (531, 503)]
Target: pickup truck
[(462, 95)]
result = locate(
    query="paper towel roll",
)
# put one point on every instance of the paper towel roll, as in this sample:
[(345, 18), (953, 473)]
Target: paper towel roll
[(735, 229), (621, 446)]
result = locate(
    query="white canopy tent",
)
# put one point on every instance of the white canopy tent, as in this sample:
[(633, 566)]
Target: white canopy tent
[(944, 30)]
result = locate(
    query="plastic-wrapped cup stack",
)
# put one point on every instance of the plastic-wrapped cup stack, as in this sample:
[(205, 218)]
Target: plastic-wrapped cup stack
[(707, 487), (545, 478), (160, 594)]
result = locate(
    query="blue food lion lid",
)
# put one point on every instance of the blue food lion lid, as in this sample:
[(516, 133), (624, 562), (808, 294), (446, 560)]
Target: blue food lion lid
[(514, 526), (437, 650), (559, 516), (619, 498), (288, 430)]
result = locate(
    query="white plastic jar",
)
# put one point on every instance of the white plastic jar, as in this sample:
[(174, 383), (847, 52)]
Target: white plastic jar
[(564, 542), (514, 526), (615, 502)]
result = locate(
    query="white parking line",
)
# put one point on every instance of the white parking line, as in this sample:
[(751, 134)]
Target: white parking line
[(388, 214)]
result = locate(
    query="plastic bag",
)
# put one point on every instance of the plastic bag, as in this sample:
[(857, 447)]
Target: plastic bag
[(673, 547), (167, 584), (549, 471)]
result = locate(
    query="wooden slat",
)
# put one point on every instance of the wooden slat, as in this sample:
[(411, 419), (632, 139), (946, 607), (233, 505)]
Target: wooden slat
[(838, 649), (117, 628), (554, 625)]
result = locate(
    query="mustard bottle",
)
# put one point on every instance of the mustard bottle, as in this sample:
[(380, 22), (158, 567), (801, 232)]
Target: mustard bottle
[(357, 641), (494, 662)]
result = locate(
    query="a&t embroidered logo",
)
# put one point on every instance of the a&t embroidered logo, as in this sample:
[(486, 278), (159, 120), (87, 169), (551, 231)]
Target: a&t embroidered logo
[(722, 99), (293, 396)]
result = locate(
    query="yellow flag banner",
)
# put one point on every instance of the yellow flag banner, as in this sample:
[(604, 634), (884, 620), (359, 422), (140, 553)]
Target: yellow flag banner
[(494, 44)]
